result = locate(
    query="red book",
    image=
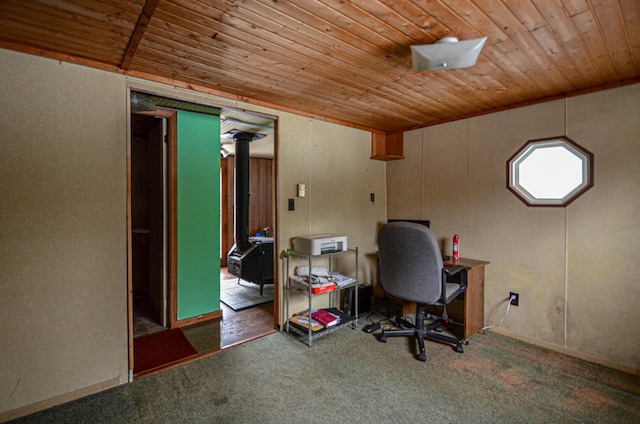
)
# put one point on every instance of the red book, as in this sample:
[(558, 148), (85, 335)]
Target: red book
[(325, 318)]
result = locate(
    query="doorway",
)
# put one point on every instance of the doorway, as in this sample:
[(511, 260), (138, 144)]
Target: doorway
[(152, 185), (149, 221)]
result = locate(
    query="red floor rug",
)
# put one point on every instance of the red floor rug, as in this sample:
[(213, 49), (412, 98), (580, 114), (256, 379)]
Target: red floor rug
[(160, 349)]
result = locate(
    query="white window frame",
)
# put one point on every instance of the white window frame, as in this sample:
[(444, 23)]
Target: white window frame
[(525, 152)]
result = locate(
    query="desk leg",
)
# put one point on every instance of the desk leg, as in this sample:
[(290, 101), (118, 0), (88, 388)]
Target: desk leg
[(474, 302)]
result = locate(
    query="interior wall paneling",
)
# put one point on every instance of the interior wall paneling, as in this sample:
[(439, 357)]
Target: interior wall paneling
[(64, 233), (260, 203)]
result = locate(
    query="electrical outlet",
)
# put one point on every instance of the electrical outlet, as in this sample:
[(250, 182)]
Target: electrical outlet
[(515, 301)]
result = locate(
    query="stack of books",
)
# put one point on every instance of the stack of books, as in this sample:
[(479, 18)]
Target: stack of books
[(303, 322), (339, 279), (319, 285), (325, 318), (320, 319)]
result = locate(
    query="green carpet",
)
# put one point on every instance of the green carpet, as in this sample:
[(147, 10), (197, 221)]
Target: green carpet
[(350, 377)]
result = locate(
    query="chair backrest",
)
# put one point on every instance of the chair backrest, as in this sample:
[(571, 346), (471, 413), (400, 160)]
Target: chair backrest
[(410, 262)]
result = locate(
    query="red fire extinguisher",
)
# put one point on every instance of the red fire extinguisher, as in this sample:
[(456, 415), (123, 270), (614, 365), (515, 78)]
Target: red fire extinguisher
[(456, 248)]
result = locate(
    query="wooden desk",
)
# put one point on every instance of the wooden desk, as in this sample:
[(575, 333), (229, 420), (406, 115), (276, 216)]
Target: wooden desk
[(468, 308)]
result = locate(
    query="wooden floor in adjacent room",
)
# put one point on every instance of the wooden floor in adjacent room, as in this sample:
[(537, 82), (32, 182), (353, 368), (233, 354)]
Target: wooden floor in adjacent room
[(235, 327), (207, 338)]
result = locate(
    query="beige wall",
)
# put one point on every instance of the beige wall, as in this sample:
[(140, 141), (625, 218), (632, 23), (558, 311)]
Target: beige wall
[(63, 283), (575, 268), (333, 162), (62, 229)]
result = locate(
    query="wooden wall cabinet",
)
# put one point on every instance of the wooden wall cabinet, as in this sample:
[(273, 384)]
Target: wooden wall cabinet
[(387, 146)]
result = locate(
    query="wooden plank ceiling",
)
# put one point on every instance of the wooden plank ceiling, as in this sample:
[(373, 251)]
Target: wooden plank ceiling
[(344, 61)]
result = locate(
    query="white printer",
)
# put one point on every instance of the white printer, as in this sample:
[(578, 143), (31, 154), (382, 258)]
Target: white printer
[(318, 244)]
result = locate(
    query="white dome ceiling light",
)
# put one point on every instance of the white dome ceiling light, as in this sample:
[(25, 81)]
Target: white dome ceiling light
[(446, 53)]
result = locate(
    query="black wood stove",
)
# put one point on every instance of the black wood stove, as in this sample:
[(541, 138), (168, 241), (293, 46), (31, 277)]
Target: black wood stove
[(251, 258)]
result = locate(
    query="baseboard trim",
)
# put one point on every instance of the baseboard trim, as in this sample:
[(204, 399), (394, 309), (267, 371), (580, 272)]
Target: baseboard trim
[(58, 400), (570, 352), (197, 319)]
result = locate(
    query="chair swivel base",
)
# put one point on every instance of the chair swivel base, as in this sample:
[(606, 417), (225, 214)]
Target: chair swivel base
[(422, 332)]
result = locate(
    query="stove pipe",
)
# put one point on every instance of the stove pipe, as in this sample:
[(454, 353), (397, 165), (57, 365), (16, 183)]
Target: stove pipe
[(242, 141)]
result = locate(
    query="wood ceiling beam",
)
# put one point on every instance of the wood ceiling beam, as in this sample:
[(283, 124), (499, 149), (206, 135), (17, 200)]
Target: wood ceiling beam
[(141, 27)]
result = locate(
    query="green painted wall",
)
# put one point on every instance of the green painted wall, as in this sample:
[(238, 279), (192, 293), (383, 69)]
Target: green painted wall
[(198, 214)]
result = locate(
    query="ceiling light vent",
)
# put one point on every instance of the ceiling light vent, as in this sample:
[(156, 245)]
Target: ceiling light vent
[(142, 102)]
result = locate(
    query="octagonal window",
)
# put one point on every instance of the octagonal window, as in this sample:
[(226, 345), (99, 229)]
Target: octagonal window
[(550, 172)]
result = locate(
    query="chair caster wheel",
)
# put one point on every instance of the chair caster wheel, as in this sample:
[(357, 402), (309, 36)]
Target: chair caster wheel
[(466, 342), (383, 338), (459, 348), (422, 357)]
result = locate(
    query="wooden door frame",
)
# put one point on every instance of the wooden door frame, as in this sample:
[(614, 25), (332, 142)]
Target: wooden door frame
[(172, 210), (172, 185), (224, 211)]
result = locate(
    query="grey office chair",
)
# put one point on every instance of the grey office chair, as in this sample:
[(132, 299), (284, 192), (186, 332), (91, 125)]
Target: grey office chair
[(411, 269)]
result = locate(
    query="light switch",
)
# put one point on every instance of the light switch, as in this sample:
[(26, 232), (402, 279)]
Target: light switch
[(302, 190)]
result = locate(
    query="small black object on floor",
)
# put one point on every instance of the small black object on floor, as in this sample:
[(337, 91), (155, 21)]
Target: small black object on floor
[(371, 327)]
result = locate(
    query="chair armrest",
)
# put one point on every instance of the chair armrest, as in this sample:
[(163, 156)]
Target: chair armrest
[(455, 270)]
